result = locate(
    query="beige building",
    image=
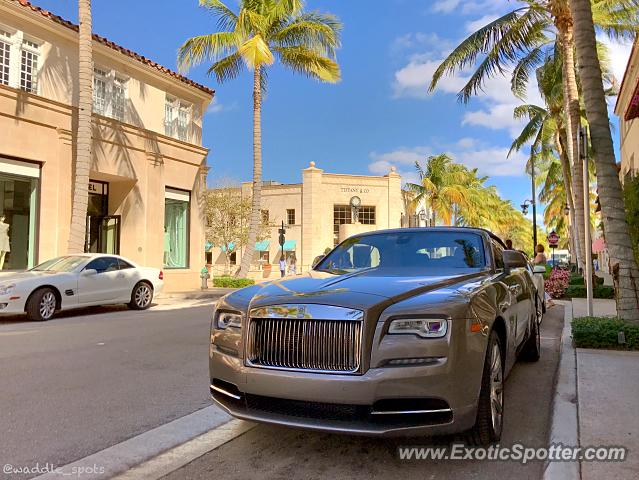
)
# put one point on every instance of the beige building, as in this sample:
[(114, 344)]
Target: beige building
[(627, 109), (317, 215), (148, 169)]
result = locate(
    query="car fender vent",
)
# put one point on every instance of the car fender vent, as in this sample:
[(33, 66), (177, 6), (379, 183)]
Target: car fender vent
[(69, 293)]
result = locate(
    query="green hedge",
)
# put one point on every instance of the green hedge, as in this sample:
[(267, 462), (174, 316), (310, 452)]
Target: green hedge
[(603, 332), (579, 280), (232, 282), (600, 291)]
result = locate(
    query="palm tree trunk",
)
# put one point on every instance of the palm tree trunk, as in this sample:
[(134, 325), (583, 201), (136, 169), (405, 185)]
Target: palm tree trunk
[(560, 141), (249, 251), (573, 121), (624, 266), (84, 140)]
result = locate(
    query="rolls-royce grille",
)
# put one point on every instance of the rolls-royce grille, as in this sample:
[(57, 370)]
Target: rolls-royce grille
[(325, 345)]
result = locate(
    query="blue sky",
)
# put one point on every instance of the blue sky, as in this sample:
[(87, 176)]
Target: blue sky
[(379, 115)]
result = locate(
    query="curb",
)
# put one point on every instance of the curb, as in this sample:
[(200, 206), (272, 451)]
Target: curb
[(211, 293), (564, 428)]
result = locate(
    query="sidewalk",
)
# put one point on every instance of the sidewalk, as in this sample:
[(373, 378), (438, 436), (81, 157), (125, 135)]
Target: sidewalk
[(603, 388), (210, 293)]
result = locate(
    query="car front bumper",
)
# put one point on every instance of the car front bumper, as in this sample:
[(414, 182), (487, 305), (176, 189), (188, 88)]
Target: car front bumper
[(351, 403)]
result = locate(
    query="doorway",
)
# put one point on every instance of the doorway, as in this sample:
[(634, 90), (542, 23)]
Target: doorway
[(103, 230)]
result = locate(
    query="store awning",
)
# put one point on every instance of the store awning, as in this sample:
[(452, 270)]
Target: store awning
[(262, 246), (231, 247), (208, 246), (289, 245)]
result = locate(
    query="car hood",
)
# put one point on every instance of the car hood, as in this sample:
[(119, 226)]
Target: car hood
[(356, 290), (14, 277)]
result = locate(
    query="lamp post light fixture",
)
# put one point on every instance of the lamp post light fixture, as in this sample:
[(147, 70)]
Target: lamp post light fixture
[(524, 210)]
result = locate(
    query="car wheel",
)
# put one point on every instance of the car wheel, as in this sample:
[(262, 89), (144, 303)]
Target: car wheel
[(532, 348), (41, 305), (490, 408), (141, 296)]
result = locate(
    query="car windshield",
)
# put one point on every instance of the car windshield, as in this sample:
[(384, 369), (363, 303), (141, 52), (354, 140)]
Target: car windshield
[(60, 264), (408, 253)]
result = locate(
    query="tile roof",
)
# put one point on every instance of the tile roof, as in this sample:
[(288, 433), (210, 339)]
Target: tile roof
[(114, 46)]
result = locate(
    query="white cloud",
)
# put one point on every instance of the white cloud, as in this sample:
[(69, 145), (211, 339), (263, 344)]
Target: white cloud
[(488, 159), (217, 107), (475, 25), (445, 6)]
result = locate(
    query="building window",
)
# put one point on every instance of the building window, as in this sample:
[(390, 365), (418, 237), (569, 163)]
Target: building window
[(265, 217), (367, 215), (176, 228), (290, 216), (177, 118), (29, 67), (18, 203), (233, 258), (264, 257), (5, 57), (109, 94), (341, 215)]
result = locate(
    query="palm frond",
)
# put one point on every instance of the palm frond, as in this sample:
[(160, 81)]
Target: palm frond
[(310, 63), (227, 68), (226, 18), (206, 47)]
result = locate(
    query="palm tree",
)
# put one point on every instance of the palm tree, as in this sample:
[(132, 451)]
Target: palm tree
[(442, 185), (519, 40), (624, 265), (84, 140), (263, 30)]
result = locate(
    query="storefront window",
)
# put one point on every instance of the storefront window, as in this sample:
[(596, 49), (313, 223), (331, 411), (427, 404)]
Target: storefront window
[(176, 228), (18, 202)]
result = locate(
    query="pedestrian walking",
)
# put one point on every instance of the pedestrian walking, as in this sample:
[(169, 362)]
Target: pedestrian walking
[(282, 266), (292, 266)]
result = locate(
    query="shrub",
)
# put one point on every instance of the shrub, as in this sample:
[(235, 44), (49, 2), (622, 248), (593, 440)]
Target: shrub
[(232, 282), (557, 283), (548, 272), (579, 280), (600, 291), (603, 332)]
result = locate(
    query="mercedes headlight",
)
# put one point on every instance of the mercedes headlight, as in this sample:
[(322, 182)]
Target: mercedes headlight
[(6, 289), (424, 327), (227, 319)]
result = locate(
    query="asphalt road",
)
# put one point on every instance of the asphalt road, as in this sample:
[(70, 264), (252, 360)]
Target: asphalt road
[(273, 453), (90, 379)]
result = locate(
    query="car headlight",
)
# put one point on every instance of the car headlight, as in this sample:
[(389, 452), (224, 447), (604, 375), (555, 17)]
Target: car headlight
[(6, 289), (424, 327), (227, 319)]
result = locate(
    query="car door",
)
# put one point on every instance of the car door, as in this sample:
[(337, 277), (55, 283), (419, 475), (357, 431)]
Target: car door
[(514, 294), (104, 286)]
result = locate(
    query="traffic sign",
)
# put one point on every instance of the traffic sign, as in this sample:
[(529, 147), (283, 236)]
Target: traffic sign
[(553, 239)]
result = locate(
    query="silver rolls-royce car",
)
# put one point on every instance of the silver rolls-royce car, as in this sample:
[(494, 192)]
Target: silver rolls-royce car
[(394, 332)]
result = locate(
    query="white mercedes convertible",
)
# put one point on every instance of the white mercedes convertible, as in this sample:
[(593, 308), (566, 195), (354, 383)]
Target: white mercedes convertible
[(74, 281)]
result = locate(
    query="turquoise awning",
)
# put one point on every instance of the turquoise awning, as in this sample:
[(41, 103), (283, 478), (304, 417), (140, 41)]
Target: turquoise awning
[(262, 246), (208, 246), (231, 247), (289, 245)]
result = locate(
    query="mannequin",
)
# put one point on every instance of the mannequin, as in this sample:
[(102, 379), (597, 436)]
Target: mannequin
[(4, 241)]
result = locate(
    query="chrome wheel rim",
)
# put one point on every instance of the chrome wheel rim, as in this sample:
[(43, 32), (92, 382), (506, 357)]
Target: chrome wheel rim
[(496, 389), (143, 296), (47, 305)]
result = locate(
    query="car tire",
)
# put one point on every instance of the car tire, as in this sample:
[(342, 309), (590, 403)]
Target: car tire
[(141, 296), (490, 407), (531, 351), (41, 305)]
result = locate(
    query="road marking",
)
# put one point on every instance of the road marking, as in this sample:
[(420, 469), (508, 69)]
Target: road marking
[(176, 458), (119, 458), (21, 332)]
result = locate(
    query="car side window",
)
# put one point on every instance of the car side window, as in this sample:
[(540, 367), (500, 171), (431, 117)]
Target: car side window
[(499, 257), (103, 265), (124, 265)]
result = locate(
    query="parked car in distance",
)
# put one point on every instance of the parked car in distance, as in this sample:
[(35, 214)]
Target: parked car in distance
[(74, 281), (394, 332)]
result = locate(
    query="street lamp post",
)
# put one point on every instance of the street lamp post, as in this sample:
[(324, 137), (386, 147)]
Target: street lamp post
[(533, 202), (422, 217)]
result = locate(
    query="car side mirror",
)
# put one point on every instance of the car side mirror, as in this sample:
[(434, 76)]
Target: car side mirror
[(514, 259), (317, 260), (89, 272), (539, 269)]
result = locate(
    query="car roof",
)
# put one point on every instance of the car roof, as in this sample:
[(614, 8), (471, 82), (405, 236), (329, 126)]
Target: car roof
[(478, 230)]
